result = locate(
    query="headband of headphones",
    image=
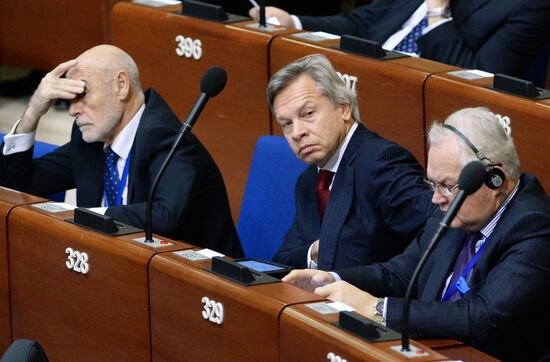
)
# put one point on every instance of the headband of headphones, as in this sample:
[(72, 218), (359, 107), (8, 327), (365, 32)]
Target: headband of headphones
[(495, 177), (477, 152)]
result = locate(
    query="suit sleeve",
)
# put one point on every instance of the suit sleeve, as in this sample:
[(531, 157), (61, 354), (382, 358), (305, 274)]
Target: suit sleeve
[(508, 46), (354, 23), (388, 279), (293, 250), (398, 191), (43, 176)]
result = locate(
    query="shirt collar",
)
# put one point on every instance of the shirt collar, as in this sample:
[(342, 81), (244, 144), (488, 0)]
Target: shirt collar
[(123, 142), (487, 230), (334, 161)]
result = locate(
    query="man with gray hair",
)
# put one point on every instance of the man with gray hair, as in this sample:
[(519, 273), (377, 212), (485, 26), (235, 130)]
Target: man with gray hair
[(363, 197), (120, 138), (486, 283)]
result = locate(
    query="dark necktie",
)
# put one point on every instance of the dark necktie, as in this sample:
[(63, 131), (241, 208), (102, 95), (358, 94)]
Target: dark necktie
[(466, 254), (324, 178), (408, 44), (111, 178)]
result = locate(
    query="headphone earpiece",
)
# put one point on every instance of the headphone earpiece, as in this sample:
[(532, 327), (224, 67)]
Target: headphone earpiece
[(494, 178)]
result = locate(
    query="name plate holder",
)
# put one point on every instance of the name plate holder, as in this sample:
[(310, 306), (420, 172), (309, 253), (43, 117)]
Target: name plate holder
[(208, 11), (365, 328), (370, 48), (101, 223), (236, 272), (518, 87)]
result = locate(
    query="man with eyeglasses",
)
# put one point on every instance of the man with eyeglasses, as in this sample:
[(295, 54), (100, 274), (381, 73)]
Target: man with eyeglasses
[(486, 283)]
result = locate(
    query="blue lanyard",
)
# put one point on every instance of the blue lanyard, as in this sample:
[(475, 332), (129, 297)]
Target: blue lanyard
[(461, 285), (121, 185)]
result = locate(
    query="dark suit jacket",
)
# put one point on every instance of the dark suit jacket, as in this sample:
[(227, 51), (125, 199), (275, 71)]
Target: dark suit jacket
[(499, 36), (506, 312), (377, 204), (190, 202)]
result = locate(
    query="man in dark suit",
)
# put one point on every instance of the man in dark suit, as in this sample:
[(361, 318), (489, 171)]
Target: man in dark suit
[(115, 121), (375, 200), (496, 297), (498, 36)]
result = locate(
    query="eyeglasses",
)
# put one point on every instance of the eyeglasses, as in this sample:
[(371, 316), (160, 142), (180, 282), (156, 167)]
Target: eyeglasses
[(446, 191)]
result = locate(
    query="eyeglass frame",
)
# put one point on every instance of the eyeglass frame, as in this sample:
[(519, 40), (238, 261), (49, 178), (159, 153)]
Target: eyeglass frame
[(444, 190)]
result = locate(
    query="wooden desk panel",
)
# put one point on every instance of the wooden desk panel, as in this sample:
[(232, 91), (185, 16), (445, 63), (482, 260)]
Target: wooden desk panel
[(310, 336), (390, 93), (8, 200), (98, 316), (249, 331), (232, 122), (42, 34), (530, 120)]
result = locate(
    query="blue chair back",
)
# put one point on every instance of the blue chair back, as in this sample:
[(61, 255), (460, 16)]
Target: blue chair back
[(41, 148), (268, 207)]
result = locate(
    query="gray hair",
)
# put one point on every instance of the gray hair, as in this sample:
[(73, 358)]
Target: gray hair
[(318, 68), (488, 134)]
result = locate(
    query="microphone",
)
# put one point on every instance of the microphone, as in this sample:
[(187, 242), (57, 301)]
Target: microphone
[(212, 83), (470, 180)]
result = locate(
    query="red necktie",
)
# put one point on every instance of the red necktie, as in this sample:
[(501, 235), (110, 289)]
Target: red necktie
[(324, 178)]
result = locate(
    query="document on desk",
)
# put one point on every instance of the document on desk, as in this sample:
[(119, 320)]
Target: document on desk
[(157, 3), (54, 207)]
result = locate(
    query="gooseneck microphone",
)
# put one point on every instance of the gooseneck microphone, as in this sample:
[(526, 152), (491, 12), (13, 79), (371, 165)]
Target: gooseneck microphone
[(262, 20), (470, 180), (212, 83)]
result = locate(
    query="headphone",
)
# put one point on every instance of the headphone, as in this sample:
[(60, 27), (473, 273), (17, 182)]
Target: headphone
[(494, 178)]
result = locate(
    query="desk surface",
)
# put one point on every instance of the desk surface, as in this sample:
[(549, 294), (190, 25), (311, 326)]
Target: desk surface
[(307, 335), (99, 315)]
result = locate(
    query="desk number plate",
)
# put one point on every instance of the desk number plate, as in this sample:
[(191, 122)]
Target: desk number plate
[(77, 261)]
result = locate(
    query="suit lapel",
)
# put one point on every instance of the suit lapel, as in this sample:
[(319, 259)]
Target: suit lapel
[(310, 208), (443, 262), (90, 187), (462, 9), (341, 199)]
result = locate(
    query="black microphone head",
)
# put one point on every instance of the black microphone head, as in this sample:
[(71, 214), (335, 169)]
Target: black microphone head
[(471, 177), (213, 81)]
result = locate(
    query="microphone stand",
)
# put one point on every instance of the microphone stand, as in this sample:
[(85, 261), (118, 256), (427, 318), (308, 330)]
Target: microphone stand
[(441, 230), (182, 133)]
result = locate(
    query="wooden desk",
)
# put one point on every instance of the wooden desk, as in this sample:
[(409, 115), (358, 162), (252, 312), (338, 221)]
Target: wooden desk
[(390, 93), (530, 120), (8, 200), (98, 316), (42, 34), (307, 335), (249, 331), (232, 122)]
